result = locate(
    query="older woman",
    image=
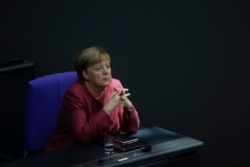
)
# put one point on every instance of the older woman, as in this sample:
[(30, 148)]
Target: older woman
[(95, 105)]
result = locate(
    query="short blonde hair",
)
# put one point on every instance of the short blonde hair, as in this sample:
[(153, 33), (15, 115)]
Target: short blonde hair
[(89, 57)]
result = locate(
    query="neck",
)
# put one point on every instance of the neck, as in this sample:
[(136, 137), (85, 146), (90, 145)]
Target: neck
[(96, 92)]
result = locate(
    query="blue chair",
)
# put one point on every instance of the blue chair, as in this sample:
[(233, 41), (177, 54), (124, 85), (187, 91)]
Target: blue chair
[(44, 99)]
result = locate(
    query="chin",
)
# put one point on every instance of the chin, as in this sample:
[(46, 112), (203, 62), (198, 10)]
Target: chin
[(105, 84)]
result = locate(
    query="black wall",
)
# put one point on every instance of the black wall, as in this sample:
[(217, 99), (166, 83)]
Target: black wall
[(185, 62)]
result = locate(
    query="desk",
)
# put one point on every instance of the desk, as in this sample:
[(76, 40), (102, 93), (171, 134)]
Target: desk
[(167, 148)]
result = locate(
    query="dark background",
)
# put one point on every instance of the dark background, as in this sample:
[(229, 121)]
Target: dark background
[(185, 62)]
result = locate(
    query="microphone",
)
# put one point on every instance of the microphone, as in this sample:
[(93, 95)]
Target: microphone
[(145, 148)]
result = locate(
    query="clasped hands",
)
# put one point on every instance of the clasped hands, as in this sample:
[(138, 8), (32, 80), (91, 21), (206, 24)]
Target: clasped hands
[(119, 97)]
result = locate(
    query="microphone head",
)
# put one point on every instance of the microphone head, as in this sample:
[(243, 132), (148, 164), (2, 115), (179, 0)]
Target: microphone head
[(147, 148)]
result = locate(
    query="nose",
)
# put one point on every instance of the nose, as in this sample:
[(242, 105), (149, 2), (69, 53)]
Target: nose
[(105, 70)]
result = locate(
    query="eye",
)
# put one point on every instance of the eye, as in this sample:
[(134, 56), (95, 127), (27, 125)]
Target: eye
[(98, 68)]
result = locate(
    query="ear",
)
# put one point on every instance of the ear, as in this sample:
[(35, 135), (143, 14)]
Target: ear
[(84, 74)]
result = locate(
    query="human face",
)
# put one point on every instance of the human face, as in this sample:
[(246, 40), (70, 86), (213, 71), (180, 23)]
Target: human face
[(99, 75)]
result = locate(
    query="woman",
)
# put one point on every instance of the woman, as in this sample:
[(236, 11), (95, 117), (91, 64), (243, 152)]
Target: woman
[(95, 105)]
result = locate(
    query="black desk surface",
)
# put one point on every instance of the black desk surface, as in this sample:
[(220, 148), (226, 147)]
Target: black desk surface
[(164, 143)]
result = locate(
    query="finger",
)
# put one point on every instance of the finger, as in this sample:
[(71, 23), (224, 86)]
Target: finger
[(123, 91), (125, 97), (115, 89), (119, 91), (127, 94), (116, 92)]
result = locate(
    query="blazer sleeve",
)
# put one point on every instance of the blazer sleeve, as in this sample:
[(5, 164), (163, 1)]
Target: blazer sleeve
[(85, 126)]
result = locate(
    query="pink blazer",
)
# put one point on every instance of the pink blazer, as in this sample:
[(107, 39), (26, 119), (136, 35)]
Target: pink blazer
[(83, 120)]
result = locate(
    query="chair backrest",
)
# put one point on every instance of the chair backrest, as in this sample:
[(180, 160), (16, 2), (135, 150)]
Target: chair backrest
[(44, 99)]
